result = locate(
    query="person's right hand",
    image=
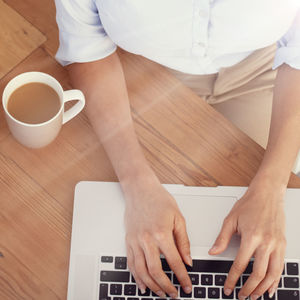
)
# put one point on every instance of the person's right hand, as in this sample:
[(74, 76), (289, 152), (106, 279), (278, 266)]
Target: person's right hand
[(154, 226)]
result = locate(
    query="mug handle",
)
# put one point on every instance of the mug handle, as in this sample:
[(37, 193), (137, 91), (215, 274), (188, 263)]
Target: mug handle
[(77, 108)]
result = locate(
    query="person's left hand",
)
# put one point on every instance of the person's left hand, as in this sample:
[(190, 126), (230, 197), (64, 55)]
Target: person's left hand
[(260, 220)]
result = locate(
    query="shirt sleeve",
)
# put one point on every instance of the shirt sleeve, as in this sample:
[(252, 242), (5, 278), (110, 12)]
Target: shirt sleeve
[(289, 46), (81, 34)]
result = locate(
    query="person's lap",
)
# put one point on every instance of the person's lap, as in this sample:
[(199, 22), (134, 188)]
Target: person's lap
[(251, 113), (242, 93)]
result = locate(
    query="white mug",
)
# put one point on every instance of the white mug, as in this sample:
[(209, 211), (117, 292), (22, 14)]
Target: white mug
[(40, 135)]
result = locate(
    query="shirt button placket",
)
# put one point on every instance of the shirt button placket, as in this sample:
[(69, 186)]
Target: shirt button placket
[(200, 26)]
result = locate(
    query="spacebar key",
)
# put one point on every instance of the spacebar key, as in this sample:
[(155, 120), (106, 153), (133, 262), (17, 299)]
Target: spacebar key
[(211, 266), (114, 276)]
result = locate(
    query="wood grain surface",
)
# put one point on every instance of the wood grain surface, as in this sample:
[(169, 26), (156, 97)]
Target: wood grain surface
[(184, 139), (18, 38)]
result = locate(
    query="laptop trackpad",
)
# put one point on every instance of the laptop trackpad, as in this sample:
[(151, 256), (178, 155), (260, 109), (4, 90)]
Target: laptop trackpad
[(204, 215)]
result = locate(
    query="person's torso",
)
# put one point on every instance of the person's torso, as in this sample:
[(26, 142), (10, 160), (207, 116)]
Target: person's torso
[(196, 36)]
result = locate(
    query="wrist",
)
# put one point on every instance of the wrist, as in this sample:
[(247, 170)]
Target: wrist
[(267, 187), (139, 177), (270, 179), (275, 168)]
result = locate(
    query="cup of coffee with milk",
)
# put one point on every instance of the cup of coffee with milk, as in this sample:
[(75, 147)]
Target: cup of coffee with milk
[(33, 103)]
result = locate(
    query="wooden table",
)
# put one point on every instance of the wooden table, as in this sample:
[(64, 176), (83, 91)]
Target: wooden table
[(184, 139)]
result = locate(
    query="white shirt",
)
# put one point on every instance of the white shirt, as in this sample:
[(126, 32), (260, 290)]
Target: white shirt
[(192, 36)]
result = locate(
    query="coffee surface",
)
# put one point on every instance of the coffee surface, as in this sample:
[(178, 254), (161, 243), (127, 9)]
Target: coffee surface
[(34, 103)]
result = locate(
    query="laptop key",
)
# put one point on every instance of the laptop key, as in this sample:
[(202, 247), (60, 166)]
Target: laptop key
[(238, 283), (249, 268), (194, 279), (291, 282), (292, 269), (175, 280), (211, 266), (132, 298), (227, 297), (107, 259), (266, 296), (206, 279), (220, 280), (114, 276), (120, 262), (116, 289), (165, 265), (154, 295), (119, 298), (103, 293), (129, 289), (188, 268), (199, 292), (245, 279), (213, 293), (147, 292), (183, 294), (157, 297), (288, 295), (169, 275)]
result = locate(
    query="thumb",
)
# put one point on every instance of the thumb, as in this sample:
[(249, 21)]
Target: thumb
[(182, 241), (223, 238)]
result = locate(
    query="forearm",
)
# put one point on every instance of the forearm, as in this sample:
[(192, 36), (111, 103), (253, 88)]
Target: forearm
[(284, 137), (107, 107)]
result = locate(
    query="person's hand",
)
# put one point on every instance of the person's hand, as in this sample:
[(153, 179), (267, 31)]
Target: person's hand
[(154, 226), (260, 220)]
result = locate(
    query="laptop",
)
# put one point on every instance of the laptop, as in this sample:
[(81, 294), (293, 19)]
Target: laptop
[(98, 265)]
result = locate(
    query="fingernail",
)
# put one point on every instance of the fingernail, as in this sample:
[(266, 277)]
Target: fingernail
[(254, 297), (227, 292), (272, 292), (187, 290), (142, 288), (160, 294), (213, 249), (242, 297), (189, 260), (173, 295)]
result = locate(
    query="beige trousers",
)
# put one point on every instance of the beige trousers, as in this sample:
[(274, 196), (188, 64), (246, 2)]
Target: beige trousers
[(242, 93)]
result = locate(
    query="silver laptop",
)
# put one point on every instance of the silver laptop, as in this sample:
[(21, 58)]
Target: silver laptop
[(98, 266)]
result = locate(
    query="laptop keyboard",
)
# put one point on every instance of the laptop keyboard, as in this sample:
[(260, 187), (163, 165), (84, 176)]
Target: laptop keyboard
[(207, 276)]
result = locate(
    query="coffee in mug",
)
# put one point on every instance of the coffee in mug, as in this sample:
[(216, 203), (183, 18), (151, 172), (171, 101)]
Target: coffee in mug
[(33, 103)]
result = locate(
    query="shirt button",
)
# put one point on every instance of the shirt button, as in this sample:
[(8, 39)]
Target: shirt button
[(203, 13)]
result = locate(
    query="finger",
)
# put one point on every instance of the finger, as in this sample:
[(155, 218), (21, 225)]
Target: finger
[(239, 265), (272, 278), (142, 271), (224, 237), (273, 288), (131, 266), (260, 267), (176, 264), (182, 241), (156, 272)]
